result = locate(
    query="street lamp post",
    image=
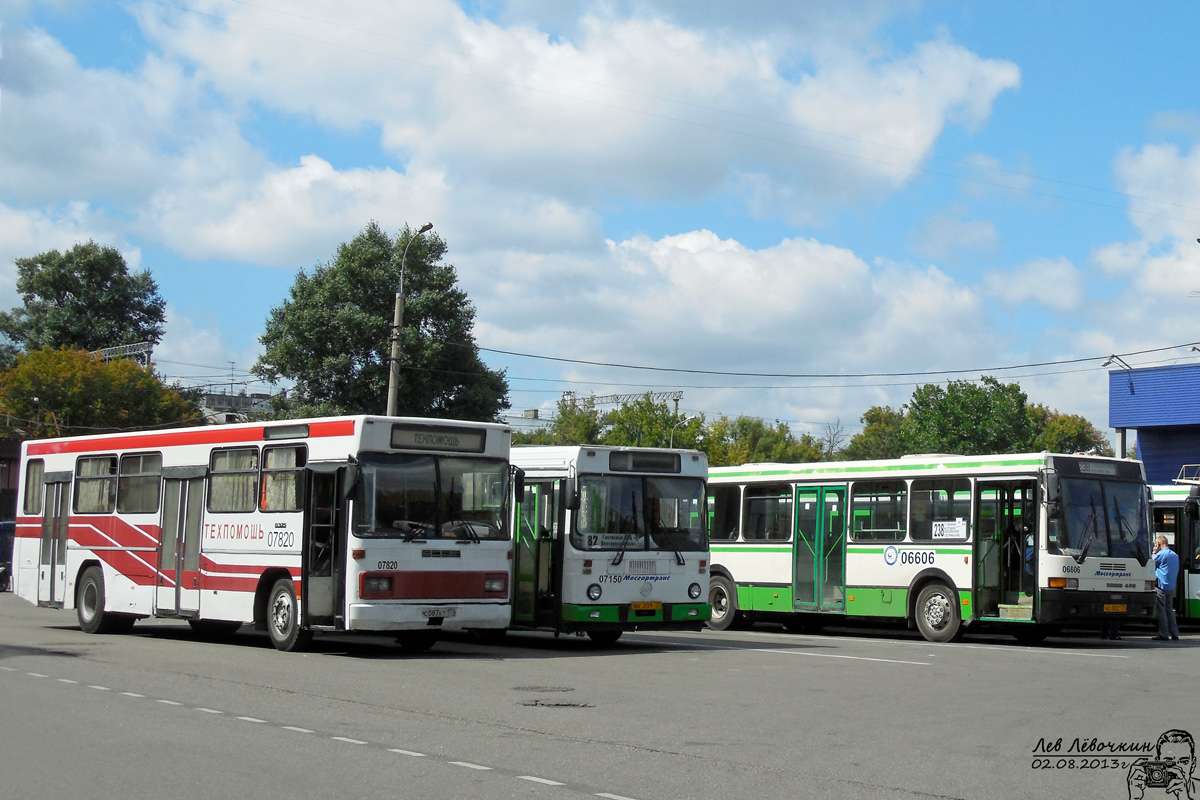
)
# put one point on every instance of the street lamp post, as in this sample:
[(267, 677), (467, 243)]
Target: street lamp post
[(397, 327), (675, 427)]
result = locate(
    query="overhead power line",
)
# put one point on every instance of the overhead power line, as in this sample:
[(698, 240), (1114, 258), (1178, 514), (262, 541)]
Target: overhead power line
[(915, 374)]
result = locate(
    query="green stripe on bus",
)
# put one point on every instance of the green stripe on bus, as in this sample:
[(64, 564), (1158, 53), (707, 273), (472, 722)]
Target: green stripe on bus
[(907, 466)]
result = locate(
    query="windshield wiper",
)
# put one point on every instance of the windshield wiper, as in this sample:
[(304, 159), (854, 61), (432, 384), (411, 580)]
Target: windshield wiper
[(669, 535), (620, 556), (1092, 520), (1139, 547)]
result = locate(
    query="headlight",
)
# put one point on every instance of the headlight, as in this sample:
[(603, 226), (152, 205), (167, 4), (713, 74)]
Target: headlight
[(694, 591), (378, 584), (594, 592), (495, 585)]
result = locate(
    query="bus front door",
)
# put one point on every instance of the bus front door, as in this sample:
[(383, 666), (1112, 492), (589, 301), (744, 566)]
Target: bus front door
[(324, 594), (178, 581), (534, 599), (52, 570), (1004, 569), (819, 577)]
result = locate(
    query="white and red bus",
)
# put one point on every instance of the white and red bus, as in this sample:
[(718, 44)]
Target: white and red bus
[(333, 524)]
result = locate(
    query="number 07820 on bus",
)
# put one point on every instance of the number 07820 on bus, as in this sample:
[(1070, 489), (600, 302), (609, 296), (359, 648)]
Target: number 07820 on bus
[(332, 524)]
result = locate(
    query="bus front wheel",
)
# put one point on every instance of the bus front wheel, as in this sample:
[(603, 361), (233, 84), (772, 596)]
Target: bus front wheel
[(283, 618), (604, 638), (937, 613), (722, 596)]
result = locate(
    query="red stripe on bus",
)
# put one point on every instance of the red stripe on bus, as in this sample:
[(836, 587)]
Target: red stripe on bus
[(215, 434), (433, 585)]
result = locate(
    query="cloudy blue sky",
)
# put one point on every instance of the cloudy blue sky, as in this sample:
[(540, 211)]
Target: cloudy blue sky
[(869, 195)]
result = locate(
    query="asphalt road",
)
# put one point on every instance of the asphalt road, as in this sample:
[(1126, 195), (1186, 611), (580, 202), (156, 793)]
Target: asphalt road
[(853, 712)]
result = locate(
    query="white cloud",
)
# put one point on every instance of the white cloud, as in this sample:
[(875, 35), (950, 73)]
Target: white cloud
[(943, 236), (1053, 283), (287, 214), (1172, 179), (654, 106)]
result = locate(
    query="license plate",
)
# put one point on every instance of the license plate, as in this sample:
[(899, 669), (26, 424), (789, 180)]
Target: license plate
[(646, 606), (1114, 608), (439, 612)]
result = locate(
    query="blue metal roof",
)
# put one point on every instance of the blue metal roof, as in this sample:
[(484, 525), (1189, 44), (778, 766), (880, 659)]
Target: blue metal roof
[(1150, 397)]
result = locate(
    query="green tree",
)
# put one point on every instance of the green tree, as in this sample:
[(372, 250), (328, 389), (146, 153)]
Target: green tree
[(576, 422), (1065, 433), (332, 337), (747, 440), (882, 435), (84, 298), (968, 418), (69, 391), (646, 423)]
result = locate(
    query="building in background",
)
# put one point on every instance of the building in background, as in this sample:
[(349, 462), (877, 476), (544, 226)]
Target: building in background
[(1162, 404)]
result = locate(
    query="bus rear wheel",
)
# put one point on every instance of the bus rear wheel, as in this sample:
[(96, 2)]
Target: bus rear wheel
[(283, 618), (937, 613), (89, 603), (723, 599)]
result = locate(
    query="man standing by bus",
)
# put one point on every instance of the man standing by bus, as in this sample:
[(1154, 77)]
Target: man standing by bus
[(1166, 570)]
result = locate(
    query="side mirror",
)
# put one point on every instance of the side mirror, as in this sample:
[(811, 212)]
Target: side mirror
[(351, 482), (1191, 507), (571, 489), (1053, 490), (518, 481)]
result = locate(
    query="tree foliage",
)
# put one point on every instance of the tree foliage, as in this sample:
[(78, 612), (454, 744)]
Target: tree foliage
[(1066, 433), (748, 440), (575, 423), (647, 423), (84, 298), (882, 435), (968, 418), (69, 392), (331, 338)]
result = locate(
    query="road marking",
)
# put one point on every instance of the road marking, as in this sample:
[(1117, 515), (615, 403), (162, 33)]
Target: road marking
[(835, 655), (465, 764)]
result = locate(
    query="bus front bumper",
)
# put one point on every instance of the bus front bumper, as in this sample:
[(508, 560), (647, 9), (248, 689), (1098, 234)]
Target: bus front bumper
[(1064, 606)]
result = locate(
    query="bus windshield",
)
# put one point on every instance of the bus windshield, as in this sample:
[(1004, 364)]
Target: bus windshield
[(630, 512), (1101, 518), (408, 496)]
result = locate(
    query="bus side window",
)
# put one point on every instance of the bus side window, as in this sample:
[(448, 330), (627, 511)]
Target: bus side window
[(724, 505), (879, 510)]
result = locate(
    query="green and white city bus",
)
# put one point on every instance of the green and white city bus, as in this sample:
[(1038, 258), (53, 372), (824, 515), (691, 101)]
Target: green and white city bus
[(610, 539), (1030, 541), (1176, 515)]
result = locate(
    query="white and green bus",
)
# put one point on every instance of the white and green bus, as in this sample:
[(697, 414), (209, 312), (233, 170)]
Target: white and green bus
[(609, 539), (1030, 541), (1176, 515)]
